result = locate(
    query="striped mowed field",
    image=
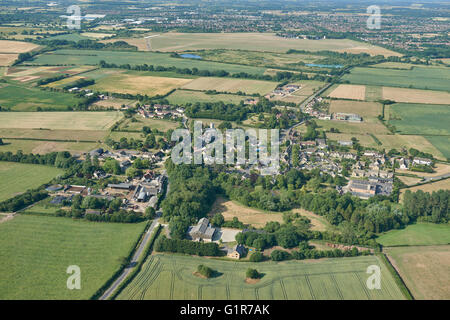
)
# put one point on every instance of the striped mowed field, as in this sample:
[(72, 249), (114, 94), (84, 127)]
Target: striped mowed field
[(168, 276)]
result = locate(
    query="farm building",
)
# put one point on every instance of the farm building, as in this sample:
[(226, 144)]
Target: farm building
[(202, 231)]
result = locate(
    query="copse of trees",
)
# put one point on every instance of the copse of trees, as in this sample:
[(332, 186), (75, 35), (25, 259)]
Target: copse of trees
[(252, 274), (205, 271), (61, 159), (164, 244), (431, 207), (22, 201)]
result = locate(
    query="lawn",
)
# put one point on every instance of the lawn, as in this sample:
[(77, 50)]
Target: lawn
[(16, 178), (171, 277), (424, 269), (59, 120), (22, 98), (417, 78), (35, 252), (420, 233), (420, 119)]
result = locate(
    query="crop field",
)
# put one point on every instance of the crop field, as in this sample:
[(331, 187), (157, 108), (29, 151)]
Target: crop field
[(37, 250), (308, 87), (367, 110), (256, 42), (92, 57), (161, 125), (429, 187), (442, 143), (231, 85), (395, 65), (8, 46), (21, 98), (353, 128), (417, 78), (43, 147), (76, 135), (364, 139), (424, 270), (417, 234), (171, 277), (181, 97), (397, 141), (373, 93), (420, 119), (7, 59), (59, 120), (415, 95), (16, 178), (348, 91)]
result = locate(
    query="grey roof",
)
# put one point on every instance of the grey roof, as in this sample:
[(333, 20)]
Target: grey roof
[(203, 229), (120, 186)]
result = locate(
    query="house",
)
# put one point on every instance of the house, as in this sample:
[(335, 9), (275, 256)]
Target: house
[(345, 143), (96, 152), (202, 231), (403, 164), (422, 161), (236, 252)]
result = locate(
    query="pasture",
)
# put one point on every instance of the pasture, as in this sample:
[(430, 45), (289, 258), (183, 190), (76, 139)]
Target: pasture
[(174, 41), (171, 277), (59, 120), (181, 97), (231, 85), (43, 147), (139, 122), (424, 270), (398, 142), (419, 234), (353, 128), (348, 91), (420, 119), (369, 111), (442, 143), (37, 250), (21, 98), (417, 78), (16, 178), (415, 95), (93, 57)]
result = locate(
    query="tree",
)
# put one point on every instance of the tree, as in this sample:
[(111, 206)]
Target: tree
[(256, 257), (217, 220), (1, 142), (252, 273)]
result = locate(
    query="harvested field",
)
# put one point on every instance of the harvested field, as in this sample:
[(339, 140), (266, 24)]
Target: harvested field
[(354, 128), (440, 170), (369, 111), (348, 91), (231, 85), (7, 59), (43, 147), (409, 181), (181, 97), (254, 217), (429, 187), (8, 46), (416, 95), (425, 270)]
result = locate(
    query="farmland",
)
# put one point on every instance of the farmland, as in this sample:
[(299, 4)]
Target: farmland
[(417, 78), (92, 57), (36, 252), (417, 234), (43, 147), (420, 119), (256, 42), (345, 91), (367, 110), (8, 46), (21, 98), (59, 120), (16, 178), (171, 277), (354, 128), (442, 143), (424, 270), (181, 97), (231, 85), (430, 187), (139, 122), (415, 96)]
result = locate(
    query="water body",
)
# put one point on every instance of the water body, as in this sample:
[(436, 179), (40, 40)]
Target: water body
[(190, 56), (337, 66)]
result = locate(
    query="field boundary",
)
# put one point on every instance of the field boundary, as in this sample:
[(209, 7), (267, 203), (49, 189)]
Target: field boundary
[(396, 275)]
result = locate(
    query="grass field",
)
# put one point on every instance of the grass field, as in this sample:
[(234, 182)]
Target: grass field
[(256, 42), (424, 270), (417, 234), (161, 125), (171, 277), (354, 128), (59, 120), (16, 178), (442, 143), (348, 91), (92, 57), (21, 98), (373, 93), (231, 85), (369, 111), (181, 97), (417, 78), (43, 147), (36, 251), (429, 187), (408, 141), (415, 95), (420, 119), (395, 65)]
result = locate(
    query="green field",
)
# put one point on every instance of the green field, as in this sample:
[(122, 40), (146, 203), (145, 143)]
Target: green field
[(442, 143), (171, 277), (59, 120), (43, 147), (92, 57), (16, 178), (36, 251), (420, 119), (418, 77), (139, 122), (21, 98), (417, 234), (181, 97)]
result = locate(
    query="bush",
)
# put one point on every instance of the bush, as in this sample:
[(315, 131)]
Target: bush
[(256, 257), (279, 255), (205, 271), (252, 273)]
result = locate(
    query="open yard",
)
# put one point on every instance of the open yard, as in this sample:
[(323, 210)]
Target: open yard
[(59, 120), (420, 119), (348, 91), (16, 178), (36, 251), (424, 269), (171, 277), (416, 95), (418, 234), (231, 85)]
